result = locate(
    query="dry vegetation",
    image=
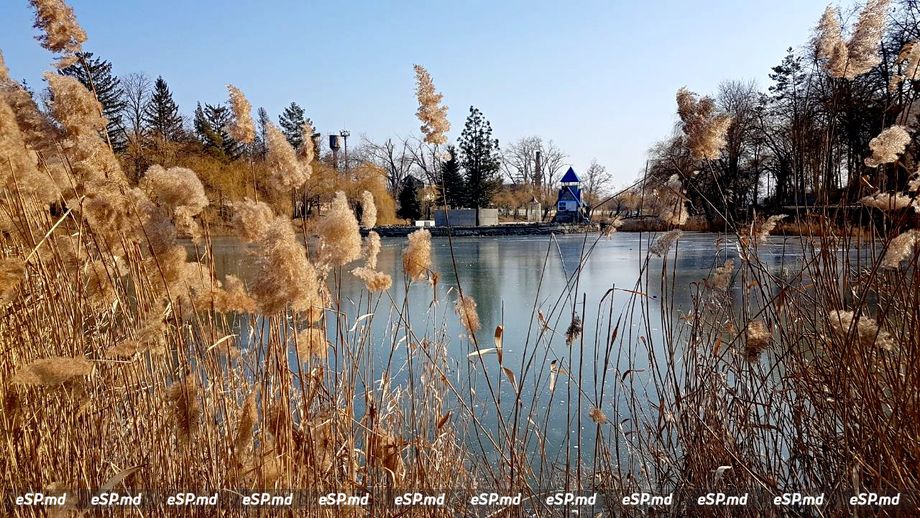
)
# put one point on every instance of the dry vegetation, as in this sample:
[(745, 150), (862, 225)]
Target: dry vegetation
[(126, 362)]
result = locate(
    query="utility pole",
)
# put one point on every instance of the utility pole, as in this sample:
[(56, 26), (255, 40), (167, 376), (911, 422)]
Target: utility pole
[(345, 134)]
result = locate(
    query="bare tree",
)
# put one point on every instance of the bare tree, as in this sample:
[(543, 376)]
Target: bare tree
[(136, 88), (520, 166), (596, 180), (394, 156)]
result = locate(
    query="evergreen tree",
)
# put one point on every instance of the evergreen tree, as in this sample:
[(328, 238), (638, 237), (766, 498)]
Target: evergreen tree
[(409, 205), (96, 75), (210, 125), (480, 160), (161, 115), (291, 122), (262, 119), (453, 189)]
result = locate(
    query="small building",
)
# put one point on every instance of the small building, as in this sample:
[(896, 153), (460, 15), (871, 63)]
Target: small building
[(570, 208)]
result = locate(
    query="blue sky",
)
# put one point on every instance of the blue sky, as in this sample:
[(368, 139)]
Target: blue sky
[(598, 78)]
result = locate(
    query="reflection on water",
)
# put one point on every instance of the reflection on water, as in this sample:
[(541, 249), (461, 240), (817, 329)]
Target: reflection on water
[(514, 278)]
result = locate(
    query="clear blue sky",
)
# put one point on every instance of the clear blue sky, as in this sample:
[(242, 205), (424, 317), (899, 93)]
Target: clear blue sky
[(597, 77)]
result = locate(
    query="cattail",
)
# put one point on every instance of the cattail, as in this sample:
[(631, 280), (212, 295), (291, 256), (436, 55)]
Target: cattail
[(829, 44), (371, 249), (661, 245), (233, 297), (705, 130), (12, 270), (285, 276), (249, 415), (285, 173), (762, 232), (61, 33), (374, 281), (863, 47), (867, 330), (185, 408), (368, 210), (431, 113), (597, 415), (243, 129), (722, 276), (466, 310), (339, 233), (417, 255), (180, 192), (251, 219), (53, 371), (79, 113), (887, 202), (758, 338), (888, 145), (900, 248), (312, 343)]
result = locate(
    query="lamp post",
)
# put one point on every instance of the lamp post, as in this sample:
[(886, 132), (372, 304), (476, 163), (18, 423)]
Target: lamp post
[(345, 134)]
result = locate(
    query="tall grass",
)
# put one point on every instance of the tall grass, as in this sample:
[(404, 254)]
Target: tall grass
[(127, 362)]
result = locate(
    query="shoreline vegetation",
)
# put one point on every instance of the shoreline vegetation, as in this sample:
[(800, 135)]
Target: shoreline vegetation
[(127, 364)]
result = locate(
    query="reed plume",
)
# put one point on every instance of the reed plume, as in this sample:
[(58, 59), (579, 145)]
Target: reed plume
[(339, 233), (285, 172), (12, 270), (374, 281), (830, 47), (863, 47), (762, 231), (249, 416), (867, 329), (312, 343), (307, 149), (61, 33), (888, 145), (242, 129), (185, 409), (371, 249), (368, 210), (757, 338), (466, 310), (251, 219), (417, 255), (722, 276), (180, 192), (703, 127), (901, 248), (232, 296), (887, 201), (53, 371), (431, 112), (285, 276), (662, 245)]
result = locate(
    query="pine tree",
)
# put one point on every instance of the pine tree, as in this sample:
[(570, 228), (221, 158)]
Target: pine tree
[(291, 122), (409, 205), (96, 75), (262, 121), (480, 160), (453, 189), (161, 115), (210, 124)]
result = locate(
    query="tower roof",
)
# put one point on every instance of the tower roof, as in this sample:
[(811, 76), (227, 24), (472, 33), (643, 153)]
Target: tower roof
[(570, 177)]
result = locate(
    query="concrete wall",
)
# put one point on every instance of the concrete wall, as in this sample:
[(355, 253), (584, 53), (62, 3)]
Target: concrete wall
[(465, 217)]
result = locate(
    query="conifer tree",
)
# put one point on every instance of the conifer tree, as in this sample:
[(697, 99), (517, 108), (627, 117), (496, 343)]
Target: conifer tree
[(161, 115), (291, 122), (453, 189), (480, 160), (210, 124), (409, 205), (96, 75)]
